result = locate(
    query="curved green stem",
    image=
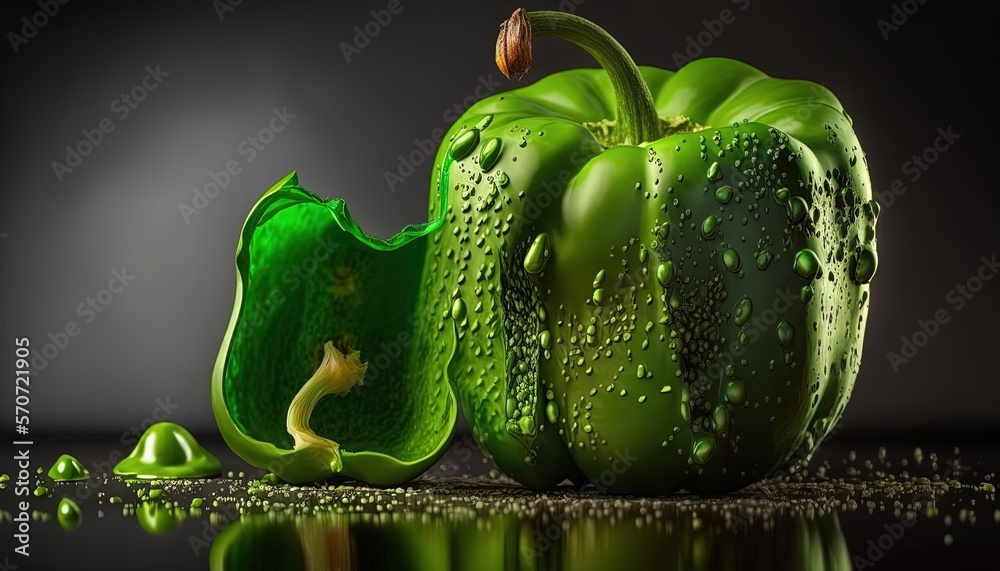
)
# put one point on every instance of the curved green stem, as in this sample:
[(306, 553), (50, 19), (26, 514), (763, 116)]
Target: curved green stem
[(337, 374), (636, 118)]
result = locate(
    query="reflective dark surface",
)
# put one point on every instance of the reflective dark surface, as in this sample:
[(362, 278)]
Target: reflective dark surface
[(856, 506)]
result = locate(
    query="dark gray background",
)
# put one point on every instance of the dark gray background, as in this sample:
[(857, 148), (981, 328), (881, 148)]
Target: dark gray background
[(158, 338)]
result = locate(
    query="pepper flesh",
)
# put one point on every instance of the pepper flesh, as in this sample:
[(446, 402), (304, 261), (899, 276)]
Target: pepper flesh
[(312, 285)]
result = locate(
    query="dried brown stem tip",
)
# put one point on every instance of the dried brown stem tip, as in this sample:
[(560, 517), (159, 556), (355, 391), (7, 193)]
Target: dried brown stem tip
[(514, 45)]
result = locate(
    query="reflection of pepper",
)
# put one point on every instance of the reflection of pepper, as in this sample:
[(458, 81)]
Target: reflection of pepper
[(658, 278), (462, 540), (314, 295)]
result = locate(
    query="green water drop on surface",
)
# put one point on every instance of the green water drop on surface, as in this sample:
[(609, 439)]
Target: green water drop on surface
[(552, 412), (724, 194), (736, 391), (714, 172), (782, 194), (643, 254), (511, 405), (545, 339), (458, 310), (155, 493), (68, 469), (786, 334), (599, 278), (666, 389), (464, 144), (720, 418), (665, 273), (196, 502), (864, 265), (703, 449), (710, 226), (40, 491), (503, 180), (763, 260), (489, 154), (640, 371), (114, 500), (167, 450), (744, 307), (806, 263), (538, 254), (731, 259), (806, 294), (69, 514), (599, 296), (797, 208)]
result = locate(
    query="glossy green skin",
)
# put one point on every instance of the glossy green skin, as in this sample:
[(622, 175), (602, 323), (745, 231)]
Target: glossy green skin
[(601, 209), (307, 274)]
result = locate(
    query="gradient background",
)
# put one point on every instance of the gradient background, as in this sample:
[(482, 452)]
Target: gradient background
[(158, 339)]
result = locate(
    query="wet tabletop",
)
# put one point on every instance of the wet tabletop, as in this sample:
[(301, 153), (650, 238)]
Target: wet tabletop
[(856, 505)]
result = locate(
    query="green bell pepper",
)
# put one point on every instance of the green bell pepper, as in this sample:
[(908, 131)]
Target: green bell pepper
[(658, 280)]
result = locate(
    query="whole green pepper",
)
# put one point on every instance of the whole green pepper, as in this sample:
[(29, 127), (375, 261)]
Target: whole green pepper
[(657, 279)]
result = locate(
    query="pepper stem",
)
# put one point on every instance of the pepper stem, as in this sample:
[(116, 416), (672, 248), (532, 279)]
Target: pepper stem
[(337, 374), (636, 118)]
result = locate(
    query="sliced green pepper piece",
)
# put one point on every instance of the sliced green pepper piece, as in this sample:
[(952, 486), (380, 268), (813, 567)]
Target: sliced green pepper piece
[(324, 309)]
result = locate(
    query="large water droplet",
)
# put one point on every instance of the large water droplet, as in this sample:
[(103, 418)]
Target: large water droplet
[(786, 334), (538, 254), (665, 273), (731, 259), (710, 226), (736, 391), (703, 449), (744, 307), (489, 154), (484, 122), (720, 418), (763, 260), (552, 412), (545, 339), (724, 194), (458, 310), (598, 296), (806, 294), (806, 263), (797, 209), (864, 265), (464, 144), (599, 278), (714, 172)]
